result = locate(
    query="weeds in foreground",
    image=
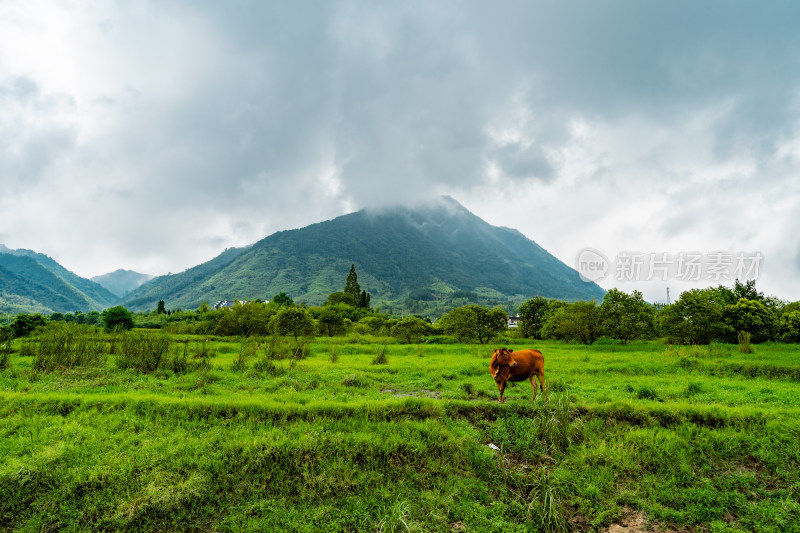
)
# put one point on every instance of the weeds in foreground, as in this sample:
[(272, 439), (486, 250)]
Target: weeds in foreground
[(544, 505), (395, 520)]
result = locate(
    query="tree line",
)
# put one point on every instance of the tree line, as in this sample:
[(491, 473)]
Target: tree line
[(699, 316)]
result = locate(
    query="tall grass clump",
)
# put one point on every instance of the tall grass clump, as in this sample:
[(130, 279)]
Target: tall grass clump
[(144, 352), (65, 345), (267, 366), (744, 342), (5, 347), (544, 507), (278, 348), (380, 357), (334, 356), (247, 351), (395, 520)]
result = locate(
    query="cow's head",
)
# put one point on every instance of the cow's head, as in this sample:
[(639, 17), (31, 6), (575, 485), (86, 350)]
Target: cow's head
[(502, 359)]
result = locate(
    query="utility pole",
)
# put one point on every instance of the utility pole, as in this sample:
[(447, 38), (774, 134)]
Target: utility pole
[(667, 295)]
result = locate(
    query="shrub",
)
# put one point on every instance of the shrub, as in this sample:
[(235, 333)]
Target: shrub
[(646, 393), (64, 345), (268, 366), (26, 324), (355, 380), (144, 352)]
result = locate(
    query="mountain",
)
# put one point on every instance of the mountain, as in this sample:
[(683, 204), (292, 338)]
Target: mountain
[(121, 282), (421, 260), (33, 282)]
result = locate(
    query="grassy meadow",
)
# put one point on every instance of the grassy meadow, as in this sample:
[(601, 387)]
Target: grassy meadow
[(360, 433)]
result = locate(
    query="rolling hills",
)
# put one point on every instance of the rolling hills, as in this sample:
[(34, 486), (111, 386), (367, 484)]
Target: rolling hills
[(33, 282), (424, 260)]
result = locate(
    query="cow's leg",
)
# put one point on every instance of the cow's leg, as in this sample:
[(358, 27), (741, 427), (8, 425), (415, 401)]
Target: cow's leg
[(533, 384), (501, 386), (544, 387)]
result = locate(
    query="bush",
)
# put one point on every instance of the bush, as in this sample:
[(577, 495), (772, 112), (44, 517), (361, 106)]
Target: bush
[(646, 393), (144, 352), (26, 324), (64, 345)]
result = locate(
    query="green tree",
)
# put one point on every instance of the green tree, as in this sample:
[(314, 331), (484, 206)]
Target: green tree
[(752, 316), (491, 322), (161, 309), (117, 318), (696, 318), (460, 322), (294, 321), (577, 321), (248, 319), (410, 329), (93, 318), (626, 316), (352, 294), (474, 322), (364, 302), (25, 324), (375, 324), (351, 287), (331, 320), (789, 327), (282, 299), (533, 314)]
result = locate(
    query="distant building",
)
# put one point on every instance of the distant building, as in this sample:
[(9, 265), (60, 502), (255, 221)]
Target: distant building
[(230, 303), (513, 321)]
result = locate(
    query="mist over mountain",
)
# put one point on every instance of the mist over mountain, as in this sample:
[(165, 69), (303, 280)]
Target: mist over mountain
[(121, 282), (423, 259)]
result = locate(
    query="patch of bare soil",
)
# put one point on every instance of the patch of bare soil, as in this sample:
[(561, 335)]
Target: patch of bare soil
[(425, 393), (636, 522)]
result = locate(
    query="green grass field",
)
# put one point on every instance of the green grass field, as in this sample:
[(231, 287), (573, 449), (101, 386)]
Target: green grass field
[(689, 438)]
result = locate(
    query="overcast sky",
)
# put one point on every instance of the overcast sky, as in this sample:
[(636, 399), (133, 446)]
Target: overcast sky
[(152, 135)]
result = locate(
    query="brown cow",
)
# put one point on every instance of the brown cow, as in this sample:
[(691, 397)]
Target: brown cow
[(509, 365)]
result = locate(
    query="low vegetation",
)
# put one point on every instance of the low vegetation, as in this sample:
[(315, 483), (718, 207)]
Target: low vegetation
[(283, 417), (165, 431)]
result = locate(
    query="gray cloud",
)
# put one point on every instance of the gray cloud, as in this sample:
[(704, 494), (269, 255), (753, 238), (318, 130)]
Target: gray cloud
[(195, 126)]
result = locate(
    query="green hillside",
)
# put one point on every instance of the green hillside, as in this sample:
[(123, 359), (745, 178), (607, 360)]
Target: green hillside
[(32, 282), (422, 260)]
